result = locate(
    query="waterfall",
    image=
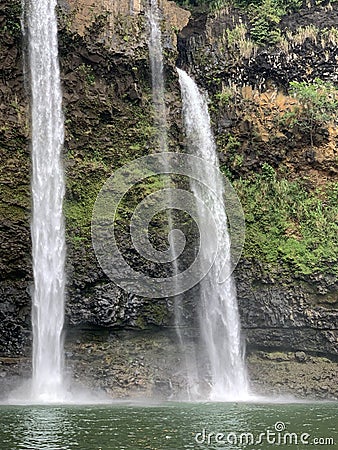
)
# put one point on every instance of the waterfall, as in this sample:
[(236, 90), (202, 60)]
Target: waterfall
[(219, 317), (47, 225), (157, 77), (158, 92), (219, 320)]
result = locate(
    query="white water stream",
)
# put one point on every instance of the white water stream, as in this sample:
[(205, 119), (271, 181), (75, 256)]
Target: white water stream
[(47, 226), (219, 318)]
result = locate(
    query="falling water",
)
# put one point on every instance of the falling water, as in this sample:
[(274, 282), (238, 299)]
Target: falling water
[(158, 91), (156, 63), (47, 227), (219, 318)]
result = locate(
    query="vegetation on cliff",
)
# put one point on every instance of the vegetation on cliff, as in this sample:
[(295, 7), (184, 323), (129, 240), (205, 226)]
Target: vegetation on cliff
[(274, 117), (289, 223), (262, 17), (290, 219)]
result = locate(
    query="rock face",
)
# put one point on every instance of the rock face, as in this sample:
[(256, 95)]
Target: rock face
[(15, 175), (279, 308), (205, 47), (82, 14), (108, 117), (107, 102), (284, 313)]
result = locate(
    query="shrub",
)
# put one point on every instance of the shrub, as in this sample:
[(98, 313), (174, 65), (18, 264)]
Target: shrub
[(286, 222), (318, 102)]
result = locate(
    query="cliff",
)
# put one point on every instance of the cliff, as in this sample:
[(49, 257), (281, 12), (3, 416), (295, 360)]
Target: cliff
[(107, 103), (287, 181), (287, 280)]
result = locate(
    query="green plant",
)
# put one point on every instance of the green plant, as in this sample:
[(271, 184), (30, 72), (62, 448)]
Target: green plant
[(332, 36), (237, 39), (318, 102), (264, 19), (225, 96), (11, 14), (232, 145), (268, 172), (87, 72), (218, 4), (226, 171), (288, 223), (238, 160), (299, 37)]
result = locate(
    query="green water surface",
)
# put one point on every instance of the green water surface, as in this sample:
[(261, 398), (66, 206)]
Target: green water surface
[(170, 426)]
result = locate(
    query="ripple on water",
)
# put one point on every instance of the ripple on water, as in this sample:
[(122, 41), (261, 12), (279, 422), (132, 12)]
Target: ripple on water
[(164, 427)]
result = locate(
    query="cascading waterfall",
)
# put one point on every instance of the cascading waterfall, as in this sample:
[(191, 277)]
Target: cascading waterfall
[(158, 91), (47, 226), (219, 318), (156, 64)]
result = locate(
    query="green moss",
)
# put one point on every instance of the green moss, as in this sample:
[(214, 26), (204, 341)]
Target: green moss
[(97, 149), (13, 213), (288, 223), (15, 192), (82, 191), (153, 313), (87, 73), (140, 322)]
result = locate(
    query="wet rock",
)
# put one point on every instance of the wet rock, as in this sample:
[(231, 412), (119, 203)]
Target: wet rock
[(300, 357), (284, 313)]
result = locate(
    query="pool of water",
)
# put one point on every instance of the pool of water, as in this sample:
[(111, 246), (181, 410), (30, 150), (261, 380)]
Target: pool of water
[(169, 426)]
